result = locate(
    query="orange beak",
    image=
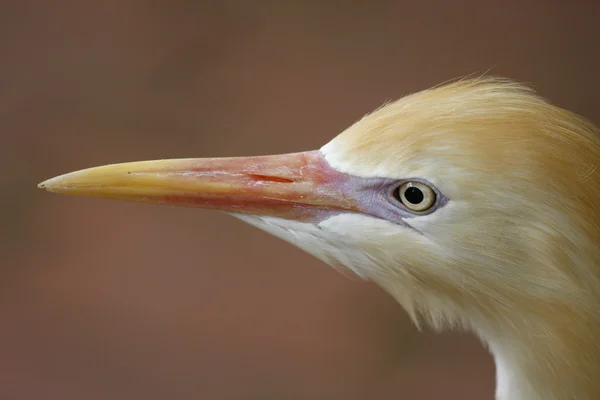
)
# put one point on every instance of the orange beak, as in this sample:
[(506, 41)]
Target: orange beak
[(299, 186)]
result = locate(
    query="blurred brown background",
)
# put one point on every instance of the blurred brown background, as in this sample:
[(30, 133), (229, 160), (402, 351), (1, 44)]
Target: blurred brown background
[(109, 300)]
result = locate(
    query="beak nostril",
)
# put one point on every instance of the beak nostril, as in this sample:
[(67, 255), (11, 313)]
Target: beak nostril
[(277, 179)]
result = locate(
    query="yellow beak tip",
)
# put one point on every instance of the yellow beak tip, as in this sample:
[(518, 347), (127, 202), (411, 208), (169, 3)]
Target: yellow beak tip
[(49, 184)]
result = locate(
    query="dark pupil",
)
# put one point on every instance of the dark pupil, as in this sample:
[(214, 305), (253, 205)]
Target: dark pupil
[(413, 195)]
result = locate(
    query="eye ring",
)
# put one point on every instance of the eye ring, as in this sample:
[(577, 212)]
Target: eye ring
[(415, 196)]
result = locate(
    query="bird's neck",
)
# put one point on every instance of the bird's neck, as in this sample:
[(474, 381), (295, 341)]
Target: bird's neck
[(546, 363), (550, 354)]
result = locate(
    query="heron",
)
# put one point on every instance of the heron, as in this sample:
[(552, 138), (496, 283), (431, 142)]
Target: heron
[(475, 204)]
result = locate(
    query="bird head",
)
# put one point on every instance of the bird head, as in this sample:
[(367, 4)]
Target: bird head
[(473, 203)]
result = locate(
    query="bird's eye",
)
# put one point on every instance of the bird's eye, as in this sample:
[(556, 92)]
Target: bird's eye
[(415, 196)]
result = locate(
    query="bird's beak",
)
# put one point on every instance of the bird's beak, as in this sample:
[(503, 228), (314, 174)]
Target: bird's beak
[(298, 186)]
